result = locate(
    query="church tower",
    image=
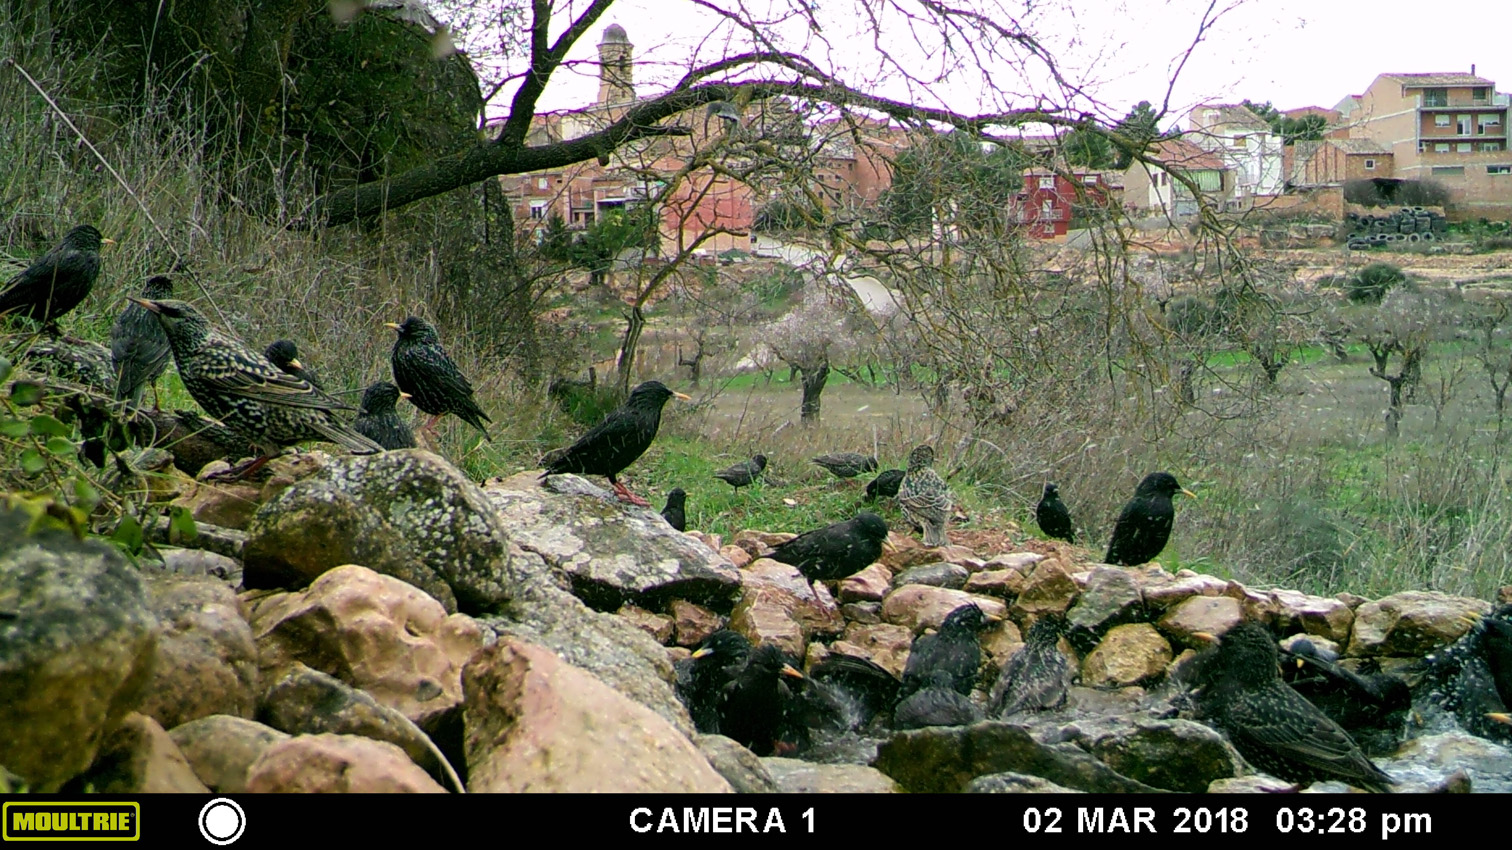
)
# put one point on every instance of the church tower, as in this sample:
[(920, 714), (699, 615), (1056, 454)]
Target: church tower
[(616, 78)]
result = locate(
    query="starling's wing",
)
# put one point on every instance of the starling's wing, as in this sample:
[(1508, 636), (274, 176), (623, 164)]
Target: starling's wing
[(920, 663), (803, 549), (1031, 680), (236, 371), (138, 348), (1280, 720), (926, 494), (440, 371)]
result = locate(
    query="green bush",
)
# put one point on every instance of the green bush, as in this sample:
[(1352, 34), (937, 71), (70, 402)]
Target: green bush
[(1190, 316), (1373, 281)]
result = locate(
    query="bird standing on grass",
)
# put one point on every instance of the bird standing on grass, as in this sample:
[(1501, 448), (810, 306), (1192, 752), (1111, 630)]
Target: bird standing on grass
[(379, 420), (846, 464), (285, 355), (744, 473), (884, 485), (924, 497), (676, 511), (1038, 676), (835, 551), (435, 384), (1052, 516), (616, 442), (1144, 525), (265, 405), (138, 347), (58, 281)]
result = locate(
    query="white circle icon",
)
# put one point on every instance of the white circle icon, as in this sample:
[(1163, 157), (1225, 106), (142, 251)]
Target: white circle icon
[(221, 821)]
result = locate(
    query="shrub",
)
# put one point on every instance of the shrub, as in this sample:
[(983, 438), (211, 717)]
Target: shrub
[(1373, 281), (1190, 316)]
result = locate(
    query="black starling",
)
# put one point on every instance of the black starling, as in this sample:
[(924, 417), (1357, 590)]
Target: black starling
[(742, 474), (863, 689), (285, 355), (953, 650), (936, 703), (254, 398), (379, 421), (1052, 516), (138, 347), (753, 709), (436, 386), (1144, 525), (1271, 725), (924, 497), (1371, 706), (616, 442), (1470, 678), (676, 511), (835, 551), (1038, 676), (57, 282), (846, 464), (701, 679), (884, 485), (1498, 649)]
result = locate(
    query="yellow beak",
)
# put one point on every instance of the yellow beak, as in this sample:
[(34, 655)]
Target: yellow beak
[(295, 363), (143, 303), (681, 396), (787, 670), (108, 241), (403, 394), (1205, 637), (391, 325), (1188, 493), (1500, 717), (706, 651)]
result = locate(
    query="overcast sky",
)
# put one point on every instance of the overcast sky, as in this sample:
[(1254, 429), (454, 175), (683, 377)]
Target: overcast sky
[(1290, 52)]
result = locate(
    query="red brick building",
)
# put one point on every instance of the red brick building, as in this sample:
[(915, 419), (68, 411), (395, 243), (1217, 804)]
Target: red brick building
[(1049, 199)]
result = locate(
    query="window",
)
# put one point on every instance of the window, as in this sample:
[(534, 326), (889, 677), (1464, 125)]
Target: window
[(1490, 147), (1435, 97), (537, 209), (1462, 147), (1448, 171), (1370, 165), (1047, 209), (1047, 182), (1089, 180), (1499, 169), (1478, 93), (1240, 142), (1491, 121), (1462, 123), (542, 182), (1440, 147), (1441, 120)]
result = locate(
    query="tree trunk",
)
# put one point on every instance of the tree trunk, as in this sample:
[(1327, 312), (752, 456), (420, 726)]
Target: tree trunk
[(813, 384), (634, 324)]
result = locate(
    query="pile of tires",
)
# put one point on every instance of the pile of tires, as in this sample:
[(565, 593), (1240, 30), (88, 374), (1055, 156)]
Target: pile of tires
[(1406, 226)]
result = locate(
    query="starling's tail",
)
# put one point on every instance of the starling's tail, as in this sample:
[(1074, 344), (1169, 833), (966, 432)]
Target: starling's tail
[(476, 417), (934, 534), (345, 437)]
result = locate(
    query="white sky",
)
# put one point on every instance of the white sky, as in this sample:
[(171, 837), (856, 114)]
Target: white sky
[(1290, 52)]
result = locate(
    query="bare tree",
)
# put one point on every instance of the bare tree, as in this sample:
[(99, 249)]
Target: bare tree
[(1402, 327), (810, 338), (1496, 360)]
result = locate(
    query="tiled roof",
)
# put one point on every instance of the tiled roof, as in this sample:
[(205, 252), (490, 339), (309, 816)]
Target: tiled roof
[(1439, 79), (1182, 154), (1228, 113), (1359, 146)]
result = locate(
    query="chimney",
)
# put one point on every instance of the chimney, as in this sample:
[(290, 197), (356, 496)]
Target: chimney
[(1472, 69)]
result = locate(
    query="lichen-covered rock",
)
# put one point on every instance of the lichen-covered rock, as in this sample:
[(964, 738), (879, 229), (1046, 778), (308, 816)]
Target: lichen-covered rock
[(944, 759), (226, 504), (1162, 591), (199, 562), (691, 623), (1015, 783), (739, 766), (1111, 598), (1130, 654), (206, 660), (1177, 755), (1211, 615), (811, 602), (935, 575), (337, 764), (1003, 583), (658, 626), (919, 606), (768, 614), (795, 776), (1048, 589), (220, 748), (1414, 622), (1323, 616), (138, 757), (883, 644)]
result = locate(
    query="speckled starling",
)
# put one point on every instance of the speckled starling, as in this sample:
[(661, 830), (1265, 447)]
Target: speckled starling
[(254, 398), (139, 349), (753, 709), (676, 511), (1144, 525), (1272, 726), (835, 551), (1371, 706), (436, 386), (1472, 677), (744, 473), (702, 678), (953, 649), (884, 486), (1053, 518), (846, 464), (379, 420), (58, 281), (1038, 676), (924, 497), (285, 355), (616, 442)]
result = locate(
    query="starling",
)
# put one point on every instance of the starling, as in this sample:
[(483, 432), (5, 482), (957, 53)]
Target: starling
[(616, 442), (254, 398), (884, 485), (702, 678), (936, 703), (924, 497), (753, 709), (378, 420), (1371, 706), (1271, 725), (835, 551), (676, 511), (846, 464), (1144, 525), (138, 347), (59, 280), (742, 474), (436, 386), (953, 650), (1052, 516), (1038, 676), (285, 355), (1470, 678), (863, 689)]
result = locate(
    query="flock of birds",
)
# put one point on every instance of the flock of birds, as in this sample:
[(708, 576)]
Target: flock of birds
[(1297, 728)]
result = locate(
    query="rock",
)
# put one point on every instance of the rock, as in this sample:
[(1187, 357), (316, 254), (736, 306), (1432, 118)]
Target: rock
[(811, 603), (1176, 755), (1164, 594), (769, 615), (1130, 654), (1322, 643), (739, 766), (713, 541), (210, 538), (407, 513), (920, 607), (1212, 615), (737, 556), (1316, 615), (1111, 598), (1015, 783), (935, 575), (866, 613), (691, 623), (658, 626), (1504, 595), (535, 723), (795, 776), (1259, 606), (373, 632), (206, 660), (612, 553), (348, 764), (884, 644), (76, 649), (1017, 561), (198, 562), (1049, 589), (1255, 783), (140, 758), (1414, 622), (946, 759), (870, 585), (763, 540), (1001, 583), (220, 748), (1353, 600), (226, 504)]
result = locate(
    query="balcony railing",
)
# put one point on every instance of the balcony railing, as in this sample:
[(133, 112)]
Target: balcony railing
[(1498, 99)]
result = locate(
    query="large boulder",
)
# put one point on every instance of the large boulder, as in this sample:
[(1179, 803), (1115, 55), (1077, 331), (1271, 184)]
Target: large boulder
[(948, 758), (77, 642), (220, 748), (326, 764), (206, 660), (796, 776), (1414, 622), (138, 757)]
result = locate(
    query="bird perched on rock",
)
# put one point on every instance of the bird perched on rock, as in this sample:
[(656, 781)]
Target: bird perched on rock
[(846, 464), (1144, 525), (1052, 516), (702, 678), (436, 386), (742, 474), (676, 511), (58, 281), (378, 419), (884, 485), (1038, 676), (953, 650), (935, 703), (835, 551), (1240, 692), (616, 442), (139, 349), (1370, 705), (753, 709), (268, 407), (285, 355), (924, 497)]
